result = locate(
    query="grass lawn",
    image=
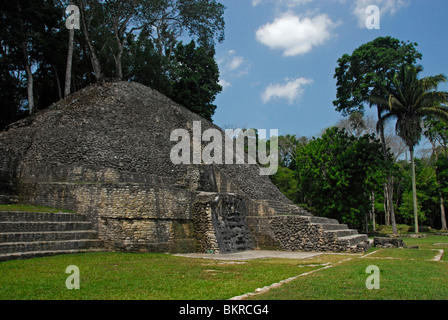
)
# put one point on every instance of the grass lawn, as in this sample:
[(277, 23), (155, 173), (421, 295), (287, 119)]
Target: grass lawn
[(140, 276), (405, 274)]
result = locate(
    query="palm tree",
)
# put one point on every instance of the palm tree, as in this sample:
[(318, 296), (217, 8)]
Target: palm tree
[(408, 100)]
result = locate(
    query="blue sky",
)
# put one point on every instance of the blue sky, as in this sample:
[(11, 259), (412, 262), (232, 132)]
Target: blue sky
[(279, 56)]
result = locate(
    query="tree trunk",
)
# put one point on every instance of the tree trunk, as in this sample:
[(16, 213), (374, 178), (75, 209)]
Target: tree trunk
[(414, 189), (118, 64), (386, 206), (96, 65), (29, 74), (390, 188), (58, 83), (390, 212), (68, 72), (442, 210), (372, 198)]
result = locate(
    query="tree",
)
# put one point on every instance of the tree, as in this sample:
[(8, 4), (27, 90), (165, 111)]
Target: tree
[(93, 29), (108, 25), (361, 74), (189, 76), (442, 180), (131, 40), (337, 174), (409, 99), (142, 63), (195, 79), (286, 178), (26, 26), (437, 134), (72, 25)]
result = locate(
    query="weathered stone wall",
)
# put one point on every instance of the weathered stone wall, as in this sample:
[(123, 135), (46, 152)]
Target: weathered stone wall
[(220, 223), (294, 233), (129, 217)]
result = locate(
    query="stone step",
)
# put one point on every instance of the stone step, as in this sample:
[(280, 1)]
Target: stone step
[(353, 240), (285, 209), (322, 220), (35, 234), (12, 216), (14, 247), (331, 226), (47, 236), (38, 226), (36, 254), (342, 233)]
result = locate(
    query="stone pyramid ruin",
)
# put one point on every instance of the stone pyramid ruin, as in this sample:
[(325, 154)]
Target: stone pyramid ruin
[(104, 153)]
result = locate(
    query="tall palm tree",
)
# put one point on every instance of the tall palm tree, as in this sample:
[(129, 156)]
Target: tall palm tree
[(408, 100)]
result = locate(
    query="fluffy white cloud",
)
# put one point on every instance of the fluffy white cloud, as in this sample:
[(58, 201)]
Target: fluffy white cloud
[(291, 90), (386, 7), (296, 35)]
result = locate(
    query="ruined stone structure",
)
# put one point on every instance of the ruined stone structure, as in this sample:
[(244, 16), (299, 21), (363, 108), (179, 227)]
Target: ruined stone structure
[(104, 152)]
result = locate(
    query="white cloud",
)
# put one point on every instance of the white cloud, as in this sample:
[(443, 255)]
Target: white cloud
[(291, 90), (232, 63), (296, 35), (232, 66), (386, 7), (224, 84), (235, 63), (289, 3)]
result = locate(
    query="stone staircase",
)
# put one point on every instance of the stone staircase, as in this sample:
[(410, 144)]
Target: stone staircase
[(332, 229), (35, 234), (282, 208), (341, 232)]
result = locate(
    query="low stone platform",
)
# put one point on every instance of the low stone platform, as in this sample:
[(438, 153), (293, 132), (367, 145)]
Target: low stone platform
[(256, 254)]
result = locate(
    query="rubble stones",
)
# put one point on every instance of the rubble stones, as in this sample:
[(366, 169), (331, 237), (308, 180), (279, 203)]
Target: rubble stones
[(388, 243)]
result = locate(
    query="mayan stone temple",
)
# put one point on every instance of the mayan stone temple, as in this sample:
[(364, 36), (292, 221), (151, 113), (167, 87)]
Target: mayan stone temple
[(103, 154)]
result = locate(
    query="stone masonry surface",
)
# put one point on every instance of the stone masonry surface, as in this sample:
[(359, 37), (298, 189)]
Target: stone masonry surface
[(104, 152)]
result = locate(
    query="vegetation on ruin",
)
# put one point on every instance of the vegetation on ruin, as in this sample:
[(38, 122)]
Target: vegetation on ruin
[(30, 208)]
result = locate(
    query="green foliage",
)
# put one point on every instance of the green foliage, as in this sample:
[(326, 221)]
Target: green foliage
[(30, 208), (129, 40), (442, 175), (195, 79), (369, 67), (286, 181), (189, 74), (436, 132), (337, 173), (409, 99), (406, 208), (32, 25)]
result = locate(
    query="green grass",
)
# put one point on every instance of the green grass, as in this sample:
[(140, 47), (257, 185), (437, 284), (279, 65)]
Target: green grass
[(29, 208), (139, 276), (405, 274), (399, 280)]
